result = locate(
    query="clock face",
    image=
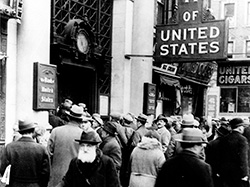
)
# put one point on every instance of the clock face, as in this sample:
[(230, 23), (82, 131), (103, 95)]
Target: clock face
[(82, 43)]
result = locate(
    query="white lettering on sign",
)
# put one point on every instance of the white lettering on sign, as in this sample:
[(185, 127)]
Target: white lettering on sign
[(187, 15), (45, 99), (47, 90), (47, 80), (193, 37), (194, 33)]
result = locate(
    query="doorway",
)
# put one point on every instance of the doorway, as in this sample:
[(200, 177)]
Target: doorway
[(78, 83)]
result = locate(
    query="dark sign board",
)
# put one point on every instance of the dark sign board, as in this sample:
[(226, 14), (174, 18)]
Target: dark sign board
[(197, 71), (45, 87), (191, 39), (234, 73), (149, 103)]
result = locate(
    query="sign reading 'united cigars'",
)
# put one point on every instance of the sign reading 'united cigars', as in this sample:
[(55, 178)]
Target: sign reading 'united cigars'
[(192, 38), (237, 73)]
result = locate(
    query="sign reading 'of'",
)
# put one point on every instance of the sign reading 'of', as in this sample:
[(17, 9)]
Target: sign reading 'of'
[(192, 38)]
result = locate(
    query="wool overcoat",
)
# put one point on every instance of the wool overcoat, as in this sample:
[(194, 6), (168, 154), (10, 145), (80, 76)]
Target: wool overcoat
[(62, 149), (233, 159), (101, 173), (185, 169), (30, 164)]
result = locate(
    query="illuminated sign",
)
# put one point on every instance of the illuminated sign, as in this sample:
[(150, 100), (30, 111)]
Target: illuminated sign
[(192, 39), (233, 74)]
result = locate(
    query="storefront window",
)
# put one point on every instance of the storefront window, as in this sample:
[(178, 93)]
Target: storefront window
[(235, 99), (228, 100), (244, 99)]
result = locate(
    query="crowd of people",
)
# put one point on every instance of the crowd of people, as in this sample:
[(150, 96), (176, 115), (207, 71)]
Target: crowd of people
[(79, 149)]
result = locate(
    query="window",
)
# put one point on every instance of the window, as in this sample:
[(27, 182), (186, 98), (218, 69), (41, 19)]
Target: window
[(160, 12), (235, 99), (229, 12), (230, 49), (248, 48), (248, 13)]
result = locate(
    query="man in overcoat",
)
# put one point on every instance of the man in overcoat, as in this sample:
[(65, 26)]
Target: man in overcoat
[(61, 145), (233, 156), (186, 168), (91, 168), (29, 161)]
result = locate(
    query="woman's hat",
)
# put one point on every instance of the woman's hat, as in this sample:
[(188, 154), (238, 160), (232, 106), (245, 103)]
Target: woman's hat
[(75, 112), (26, 124), (192, 135), (110, 127), (90, 137)]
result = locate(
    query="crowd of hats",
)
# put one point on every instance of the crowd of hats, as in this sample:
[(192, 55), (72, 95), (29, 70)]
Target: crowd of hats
[(189, 135)]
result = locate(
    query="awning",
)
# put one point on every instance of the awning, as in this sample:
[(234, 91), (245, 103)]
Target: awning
[(169, 81)]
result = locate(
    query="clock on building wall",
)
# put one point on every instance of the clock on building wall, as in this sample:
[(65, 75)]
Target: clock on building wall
[(82, 42)]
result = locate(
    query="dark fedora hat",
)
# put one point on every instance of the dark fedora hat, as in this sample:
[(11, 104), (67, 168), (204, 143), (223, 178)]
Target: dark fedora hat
[(222, 131), (142, 118), (236, 122), (162, 117), (110, 127), (90, 137), (26, 125), (192, 135), (75, 112)]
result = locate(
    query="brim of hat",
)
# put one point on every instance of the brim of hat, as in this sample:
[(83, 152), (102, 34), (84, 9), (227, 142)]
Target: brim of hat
[(88, 142), (97, 120), (139, 119), (77, 117), (31, 127), (194, 142), (242, 124)]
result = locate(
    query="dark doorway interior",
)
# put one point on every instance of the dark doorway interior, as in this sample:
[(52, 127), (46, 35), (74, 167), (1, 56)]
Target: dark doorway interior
[(78, 84)]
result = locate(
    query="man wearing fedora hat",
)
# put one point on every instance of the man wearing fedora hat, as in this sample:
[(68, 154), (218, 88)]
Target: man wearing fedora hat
[(188, 121), (91, 167), (165, 135), (110, 144), (61, 145), (232, 156), (141, 129), (186, 168), (29, 161)]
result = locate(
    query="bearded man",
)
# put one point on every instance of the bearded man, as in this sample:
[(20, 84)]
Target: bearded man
[(91, 167)]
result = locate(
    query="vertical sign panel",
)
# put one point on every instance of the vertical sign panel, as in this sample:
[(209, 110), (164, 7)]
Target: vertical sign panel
[(149, 98), (45, 87)]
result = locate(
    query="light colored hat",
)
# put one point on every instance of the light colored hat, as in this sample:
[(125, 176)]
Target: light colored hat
[(128, 118), (116, 116), (191, 135), (142, 117), (188, 120), (97, 118), (196, 123), (75, 112)]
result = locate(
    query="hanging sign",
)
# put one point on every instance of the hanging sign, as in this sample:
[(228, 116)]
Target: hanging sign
[(191, 39), (45, 87)]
